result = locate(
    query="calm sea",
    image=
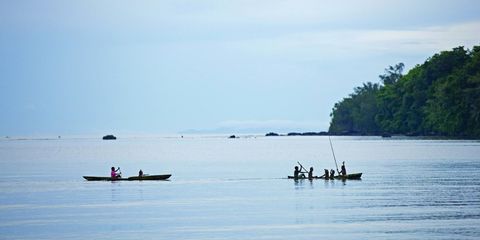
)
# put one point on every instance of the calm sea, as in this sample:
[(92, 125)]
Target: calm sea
[(237, 189)]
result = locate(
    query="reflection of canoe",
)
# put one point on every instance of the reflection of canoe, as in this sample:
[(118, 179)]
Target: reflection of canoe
[(146, 177), (353, 176)]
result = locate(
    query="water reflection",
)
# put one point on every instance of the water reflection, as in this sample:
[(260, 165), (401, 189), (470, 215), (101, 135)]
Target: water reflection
[(414, 189), (301, 183)]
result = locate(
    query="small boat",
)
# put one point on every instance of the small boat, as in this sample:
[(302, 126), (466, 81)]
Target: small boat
[(353, 176), (135, 178)]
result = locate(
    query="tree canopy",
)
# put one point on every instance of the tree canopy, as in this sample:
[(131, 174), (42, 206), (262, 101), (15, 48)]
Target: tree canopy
[(439, 97)]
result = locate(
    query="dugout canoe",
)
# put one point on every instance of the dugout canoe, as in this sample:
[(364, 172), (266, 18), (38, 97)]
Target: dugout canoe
[(135, 178), (150, 177), (353, 176)]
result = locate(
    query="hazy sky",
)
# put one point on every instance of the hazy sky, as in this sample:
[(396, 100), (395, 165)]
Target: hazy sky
[(83, 67)]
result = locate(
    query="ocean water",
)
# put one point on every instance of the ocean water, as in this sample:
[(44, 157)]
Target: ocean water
[(237, 189)]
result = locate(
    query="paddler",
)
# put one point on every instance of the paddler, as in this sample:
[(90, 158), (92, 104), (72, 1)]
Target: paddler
[(296, 172), (326, 175), (114, 174)]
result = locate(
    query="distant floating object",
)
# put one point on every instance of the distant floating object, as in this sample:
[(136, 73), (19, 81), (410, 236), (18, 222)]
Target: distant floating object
[(109, 137), (232, 136), (386, 135)]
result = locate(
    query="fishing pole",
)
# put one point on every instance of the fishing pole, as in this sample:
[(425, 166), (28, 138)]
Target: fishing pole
[(333, 153)]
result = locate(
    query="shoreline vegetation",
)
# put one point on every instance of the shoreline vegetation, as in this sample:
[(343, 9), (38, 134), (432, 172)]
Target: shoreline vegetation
[(385, 135), (437, 99)]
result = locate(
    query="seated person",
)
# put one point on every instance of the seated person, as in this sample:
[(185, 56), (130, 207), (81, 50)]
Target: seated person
[(114, 173), (310, 174)]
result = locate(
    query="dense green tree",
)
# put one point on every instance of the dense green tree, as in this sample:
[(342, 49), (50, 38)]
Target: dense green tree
[(438, 97), (356, 114), (392, 74)]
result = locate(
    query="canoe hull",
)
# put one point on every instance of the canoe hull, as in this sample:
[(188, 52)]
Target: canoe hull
[(291, 177), (150, 177), (353, 176), (95, 178), (136, 178)]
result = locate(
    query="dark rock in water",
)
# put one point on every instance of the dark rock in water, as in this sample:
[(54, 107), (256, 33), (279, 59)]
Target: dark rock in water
[(109, 137), (299, 134), (294, 134), (311, 134), (232, 136), (272, 134), (386, 135)]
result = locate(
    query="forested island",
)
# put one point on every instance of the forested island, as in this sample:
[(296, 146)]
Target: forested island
[(440, 97)]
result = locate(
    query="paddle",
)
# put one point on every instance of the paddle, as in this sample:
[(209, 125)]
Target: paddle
[(301, 167)]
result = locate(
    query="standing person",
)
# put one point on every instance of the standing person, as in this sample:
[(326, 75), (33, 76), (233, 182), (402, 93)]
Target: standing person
[(114, 174), (140, 173), (344, 170)]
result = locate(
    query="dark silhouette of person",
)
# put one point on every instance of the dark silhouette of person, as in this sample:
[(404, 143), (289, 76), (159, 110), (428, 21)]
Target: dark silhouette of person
[(332, 173), (326, 175), (310, 174), (296, 172), (140, 173), (344, 170), (114, 173)]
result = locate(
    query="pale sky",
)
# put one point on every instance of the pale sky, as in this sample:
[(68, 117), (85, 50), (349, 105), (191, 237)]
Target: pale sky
[(161, 67)]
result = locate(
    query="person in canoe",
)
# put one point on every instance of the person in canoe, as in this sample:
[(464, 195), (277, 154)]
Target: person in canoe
[(140, 173), (114, 173), (344, 170), (310, 174), (332, 173), (326, 174), (297, 173)]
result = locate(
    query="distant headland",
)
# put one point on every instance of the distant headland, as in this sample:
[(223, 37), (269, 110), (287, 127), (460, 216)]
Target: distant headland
[(274, 134), (439, 98)]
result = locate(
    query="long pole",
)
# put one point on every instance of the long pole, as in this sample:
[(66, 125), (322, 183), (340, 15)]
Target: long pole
[(302, 167), (333, 153)]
